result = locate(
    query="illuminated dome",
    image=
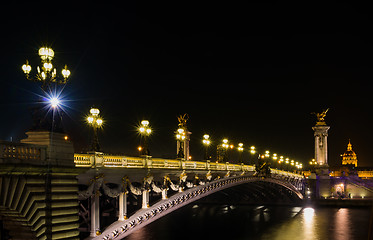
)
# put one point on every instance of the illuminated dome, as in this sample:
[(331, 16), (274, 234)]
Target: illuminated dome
[(349, 157)]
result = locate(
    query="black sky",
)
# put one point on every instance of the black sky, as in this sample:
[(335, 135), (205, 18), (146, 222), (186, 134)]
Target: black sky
[(250, 72)]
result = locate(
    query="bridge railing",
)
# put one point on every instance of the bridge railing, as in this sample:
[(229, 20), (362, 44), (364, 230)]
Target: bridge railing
[(96, 159), (11, 152)]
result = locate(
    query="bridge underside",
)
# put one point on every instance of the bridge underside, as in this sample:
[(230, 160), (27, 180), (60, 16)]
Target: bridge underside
[(258, 192), (242, 189), (36, 205)]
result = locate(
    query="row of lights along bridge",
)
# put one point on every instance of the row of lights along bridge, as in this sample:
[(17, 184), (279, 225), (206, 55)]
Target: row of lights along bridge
[(47, 74), (223, 149)]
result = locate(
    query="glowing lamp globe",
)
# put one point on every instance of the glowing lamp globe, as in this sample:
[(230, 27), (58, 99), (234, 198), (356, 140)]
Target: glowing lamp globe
[(94, 111), (54, 102)]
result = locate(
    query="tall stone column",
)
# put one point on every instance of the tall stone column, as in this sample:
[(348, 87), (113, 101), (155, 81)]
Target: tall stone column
[(145, 198), (122, 206), (322, 181), (95, 214), (321, 144)]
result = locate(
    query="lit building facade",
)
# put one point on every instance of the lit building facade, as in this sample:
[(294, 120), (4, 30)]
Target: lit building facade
[(349, 157)]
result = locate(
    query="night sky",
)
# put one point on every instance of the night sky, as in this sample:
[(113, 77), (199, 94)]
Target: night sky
[(252, 73)]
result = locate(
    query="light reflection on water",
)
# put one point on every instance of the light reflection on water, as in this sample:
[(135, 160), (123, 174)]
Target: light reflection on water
[(258, 223), (301, 226), (342, 224)]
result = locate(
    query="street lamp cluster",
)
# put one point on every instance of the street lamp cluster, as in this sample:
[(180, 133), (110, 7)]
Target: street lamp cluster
[(145, 131), (95, 121), (46, 73)]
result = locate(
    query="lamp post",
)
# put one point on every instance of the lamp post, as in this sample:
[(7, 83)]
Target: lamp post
[(252, 152), (95, 121), (46, 74), (274, 157), (240, 150), (225, 147), (180, 136), (206, 142), (145, 132)]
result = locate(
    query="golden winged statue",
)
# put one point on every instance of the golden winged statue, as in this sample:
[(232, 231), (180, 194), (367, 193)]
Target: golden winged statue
[(182, 120), (321, 117)]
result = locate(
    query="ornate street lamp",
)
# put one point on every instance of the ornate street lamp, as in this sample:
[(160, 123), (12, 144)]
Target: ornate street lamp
[(95, 121), (180, 136), (183, 138), (46, 73), (225, 146), (240, 150), (145, 132), (206, 141)]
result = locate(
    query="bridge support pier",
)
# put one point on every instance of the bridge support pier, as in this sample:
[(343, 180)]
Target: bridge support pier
[(95, 214), (164, 194), (122, 206), (145, 198)]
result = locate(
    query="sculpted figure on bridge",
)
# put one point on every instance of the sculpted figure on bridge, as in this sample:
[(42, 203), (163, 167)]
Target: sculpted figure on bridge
[(182, 120), (321, 117)]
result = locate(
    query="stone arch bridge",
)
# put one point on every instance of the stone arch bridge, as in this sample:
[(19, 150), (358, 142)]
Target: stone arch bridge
[(48, 192)]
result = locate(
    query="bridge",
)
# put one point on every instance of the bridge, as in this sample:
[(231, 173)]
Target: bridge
[(50, 192)]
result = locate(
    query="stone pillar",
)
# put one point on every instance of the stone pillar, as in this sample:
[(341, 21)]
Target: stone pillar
[(60, 151), (122, 206), (322, 188), (145, 198), (186, 145), (164, 194), (95, 214), (321, 144)]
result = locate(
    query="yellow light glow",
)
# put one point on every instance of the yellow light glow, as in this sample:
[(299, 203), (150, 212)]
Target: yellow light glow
[(94, 111), (206, 136), (99, 121), (225, 140), (66, 138), (90, 119), (65, 72), (148, 131), (26, 68), (139, 148), (142, 129), (46, 53), (180, 130), (48, 66), (206, 142), (145, 123)]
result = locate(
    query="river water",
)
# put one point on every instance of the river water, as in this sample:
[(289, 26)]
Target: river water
[(203, 221)]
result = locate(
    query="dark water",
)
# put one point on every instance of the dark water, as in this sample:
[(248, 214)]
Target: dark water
[(199, 221)]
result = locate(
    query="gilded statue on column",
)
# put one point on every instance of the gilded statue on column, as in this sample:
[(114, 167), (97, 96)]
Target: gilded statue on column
[(182, 120), (321, 117)]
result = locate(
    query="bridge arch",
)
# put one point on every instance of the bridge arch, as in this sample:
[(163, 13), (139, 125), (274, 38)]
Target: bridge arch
[(121, 229)]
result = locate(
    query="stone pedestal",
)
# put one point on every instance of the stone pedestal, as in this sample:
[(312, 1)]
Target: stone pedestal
[(60, 151)]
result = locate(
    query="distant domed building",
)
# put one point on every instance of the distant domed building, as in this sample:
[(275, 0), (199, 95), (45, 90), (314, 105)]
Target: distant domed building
[(349, 157)]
